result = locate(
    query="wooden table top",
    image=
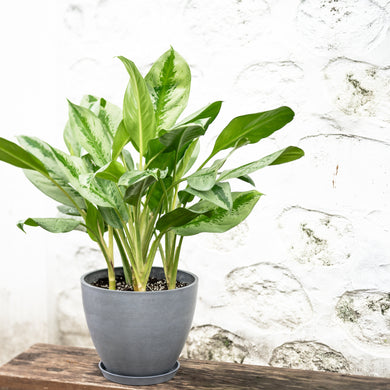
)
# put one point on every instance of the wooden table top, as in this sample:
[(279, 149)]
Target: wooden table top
[(53, 367)]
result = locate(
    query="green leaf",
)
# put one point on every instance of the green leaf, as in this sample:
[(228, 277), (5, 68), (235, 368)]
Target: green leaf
[(52, 225), (110, 217), (204, 117), (185, 197), (180, 137), (121, 139), (73, 170), (94, 222), (15, 155), (90, 101), (282, 156), (70, 140), (68, 210), (110, 115), (156, 192), (220, 195), (169, 82), (89, 163), (90, 133), (131, 177), (135, 192), (175, 218), (204, 179), (219, 220), (156, 158), (61, 166), (252, 128), (247, 179), (128, 159), (138, 112), (189, 158), (103, 193), (111, 171), (52, 191)]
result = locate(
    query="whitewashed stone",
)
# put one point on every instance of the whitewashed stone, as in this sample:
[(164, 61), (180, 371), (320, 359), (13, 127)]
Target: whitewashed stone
[(309, 355), (335, 123), (346, 26), (345, 173), (231, 240), (274, 298), (71, 319), (16, 330), (226, 23), (210, 342), (253, 55), (359, 88), (74, 18), (270, 84), (316, 237), (88, 258), (366, 316)]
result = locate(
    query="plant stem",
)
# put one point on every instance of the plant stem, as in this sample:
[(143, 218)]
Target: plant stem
[(109, 260), (110, 243), (125, 262), (136, 280)]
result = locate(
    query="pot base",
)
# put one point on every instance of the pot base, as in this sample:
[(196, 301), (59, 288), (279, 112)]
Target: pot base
[(139, 380)]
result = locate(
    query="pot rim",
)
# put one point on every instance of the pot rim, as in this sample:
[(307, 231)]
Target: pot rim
[(106, 291)]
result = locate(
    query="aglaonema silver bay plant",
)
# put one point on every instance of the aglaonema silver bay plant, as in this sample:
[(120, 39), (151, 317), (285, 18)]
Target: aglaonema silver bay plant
[(126, 178)]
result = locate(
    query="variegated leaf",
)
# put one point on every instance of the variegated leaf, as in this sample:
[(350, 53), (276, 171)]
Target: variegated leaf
[(282, 156), (220, 195), (91, 133), (15, 155), (169, 82), (52, 225), (103, 193), (52, 191), (109, 113), (219, 220)]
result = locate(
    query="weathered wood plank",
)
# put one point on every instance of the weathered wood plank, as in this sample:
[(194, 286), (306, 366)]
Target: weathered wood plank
[(51, 367)]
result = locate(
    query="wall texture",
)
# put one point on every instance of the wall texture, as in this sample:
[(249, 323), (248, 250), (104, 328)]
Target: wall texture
[(304, 282)]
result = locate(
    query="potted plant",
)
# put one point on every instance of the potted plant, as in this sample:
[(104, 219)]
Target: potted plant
[(144, 206)]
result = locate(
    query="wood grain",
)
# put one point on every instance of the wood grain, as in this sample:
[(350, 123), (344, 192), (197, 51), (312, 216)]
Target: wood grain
[(51, 367)]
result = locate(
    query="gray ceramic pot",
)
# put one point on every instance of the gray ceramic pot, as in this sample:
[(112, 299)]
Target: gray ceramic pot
[(139, 334)]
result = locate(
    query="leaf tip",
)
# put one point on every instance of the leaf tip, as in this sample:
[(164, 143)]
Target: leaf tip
[(290, 111), (20, 225), (70, 104)]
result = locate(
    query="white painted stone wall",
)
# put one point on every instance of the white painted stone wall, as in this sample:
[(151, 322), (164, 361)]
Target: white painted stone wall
[(305, 281)]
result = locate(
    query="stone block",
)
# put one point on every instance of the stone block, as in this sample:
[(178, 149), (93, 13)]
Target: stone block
[(210, 342), (365, 315), (359, 88), (341, 26), (274, 298), (309, 355), (315, 237)]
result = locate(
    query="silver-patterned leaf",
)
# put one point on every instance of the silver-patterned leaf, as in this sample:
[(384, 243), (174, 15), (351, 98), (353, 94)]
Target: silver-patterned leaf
[(220, 195), (52, 191), (219, 220), (91, 133), (169, 82), (52, 225)]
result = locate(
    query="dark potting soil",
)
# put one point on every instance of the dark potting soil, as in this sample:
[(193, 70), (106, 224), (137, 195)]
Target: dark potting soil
[(153, 284)]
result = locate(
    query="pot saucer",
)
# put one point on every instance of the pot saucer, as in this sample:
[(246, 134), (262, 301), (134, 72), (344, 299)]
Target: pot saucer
[(139, 380)]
